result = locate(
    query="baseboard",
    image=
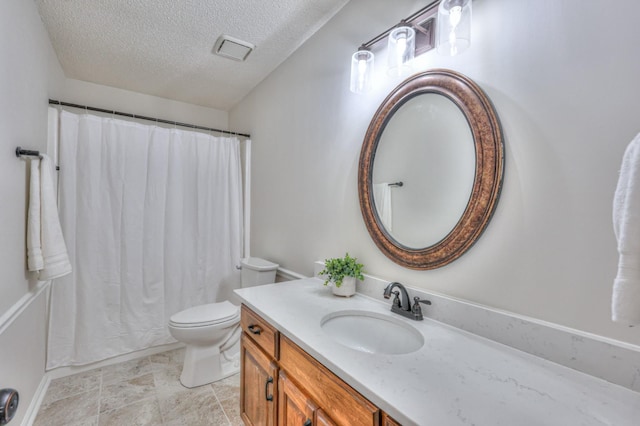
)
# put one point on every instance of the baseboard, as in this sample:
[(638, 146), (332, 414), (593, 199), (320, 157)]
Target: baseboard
[(56, 373), (32, 411)]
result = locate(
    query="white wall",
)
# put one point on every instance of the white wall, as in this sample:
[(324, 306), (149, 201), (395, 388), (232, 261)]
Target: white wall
[(96, 95), (29, 74), (563, 77)]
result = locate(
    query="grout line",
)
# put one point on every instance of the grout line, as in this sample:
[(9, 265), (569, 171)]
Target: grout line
[(215, 394), (235, 398), (100, 394), (224, 412), (156, 393)]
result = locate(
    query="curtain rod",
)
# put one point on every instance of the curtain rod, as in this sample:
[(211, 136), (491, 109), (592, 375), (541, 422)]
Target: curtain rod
[(142, 117)]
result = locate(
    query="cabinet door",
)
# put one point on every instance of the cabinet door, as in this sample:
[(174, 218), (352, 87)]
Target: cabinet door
[(343, 403), (295, 408), (258, 387)]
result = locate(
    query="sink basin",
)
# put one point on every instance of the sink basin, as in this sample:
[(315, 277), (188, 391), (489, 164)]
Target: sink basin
[(372, 332)]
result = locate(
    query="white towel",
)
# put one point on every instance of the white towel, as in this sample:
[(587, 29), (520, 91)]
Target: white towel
[(625, 306), (35, 262), (46, 250), (382, 201)]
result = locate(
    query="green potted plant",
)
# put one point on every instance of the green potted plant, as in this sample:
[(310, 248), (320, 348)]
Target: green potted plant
[(342, 272)]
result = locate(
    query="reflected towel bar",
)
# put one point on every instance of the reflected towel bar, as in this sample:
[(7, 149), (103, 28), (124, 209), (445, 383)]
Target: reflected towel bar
[(397, 184)]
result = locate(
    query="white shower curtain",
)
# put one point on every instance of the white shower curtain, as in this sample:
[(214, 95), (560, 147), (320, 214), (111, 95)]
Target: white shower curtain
[(152, 218)]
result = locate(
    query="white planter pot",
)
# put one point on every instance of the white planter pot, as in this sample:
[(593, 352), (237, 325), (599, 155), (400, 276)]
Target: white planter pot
[(348, 287)]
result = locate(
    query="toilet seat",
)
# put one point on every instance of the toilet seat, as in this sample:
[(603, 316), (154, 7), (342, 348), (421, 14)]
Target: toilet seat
[(205, 315)]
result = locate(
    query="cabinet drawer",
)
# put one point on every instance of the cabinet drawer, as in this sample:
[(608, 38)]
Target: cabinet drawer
[(341, 402), (260, 331)]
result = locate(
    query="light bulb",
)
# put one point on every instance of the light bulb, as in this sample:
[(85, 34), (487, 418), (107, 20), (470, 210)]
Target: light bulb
[(455, 14), (402, 45), (361, 71), (453, 51), (454, 26), (454, 19), (401, 49)]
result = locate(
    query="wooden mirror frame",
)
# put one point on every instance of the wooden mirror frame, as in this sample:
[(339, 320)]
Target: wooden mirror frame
[(489, 151)]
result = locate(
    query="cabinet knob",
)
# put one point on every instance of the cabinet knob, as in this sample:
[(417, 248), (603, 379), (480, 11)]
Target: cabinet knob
[(266, 389), (307, 423), (255, 329)]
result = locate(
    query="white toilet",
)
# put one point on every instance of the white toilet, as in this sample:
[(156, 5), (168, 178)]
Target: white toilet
[(212, 332)]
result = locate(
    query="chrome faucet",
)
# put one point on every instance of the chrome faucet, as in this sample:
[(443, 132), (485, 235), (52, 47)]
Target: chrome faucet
[(401, 305)]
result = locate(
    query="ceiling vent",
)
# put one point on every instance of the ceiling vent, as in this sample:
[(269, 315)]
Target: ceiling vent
[(232, 48)]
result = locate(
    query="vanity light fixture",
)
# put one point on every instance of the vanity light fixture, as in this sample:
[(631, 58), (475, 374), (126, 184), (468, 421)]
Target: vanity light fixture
[(414, 36), (454, 26), (362, 70), (401, 49)]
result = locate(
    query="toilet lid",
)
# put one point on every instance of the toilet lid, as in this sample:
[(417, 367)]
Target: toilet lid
[(212, 313)]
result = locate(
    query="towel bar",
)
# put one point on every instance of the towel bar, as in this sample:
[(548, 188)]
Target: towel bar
[(30, 153), (27, 152)]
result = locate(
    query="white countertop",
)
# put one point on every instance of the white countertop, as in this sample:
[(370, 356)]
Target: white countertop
[(456, 378)]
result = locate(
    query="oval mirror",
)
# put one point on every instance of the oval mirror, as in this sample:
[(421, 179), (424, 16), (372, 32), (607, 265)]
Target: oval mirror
[(431, 169)]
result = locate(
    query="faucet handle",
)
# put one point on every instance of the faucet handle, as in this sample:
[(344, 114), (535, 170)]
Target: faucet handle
[(418, 300), (416, 309)]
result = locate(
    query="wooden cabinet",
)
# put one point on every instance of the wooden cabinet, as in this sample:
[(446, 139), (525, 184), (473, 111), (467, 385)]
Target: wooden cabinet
[(322, 419), (283, 385), (388, 421), (260, 331), (343, 404), (259, 371), (258, 385), (295, 408)]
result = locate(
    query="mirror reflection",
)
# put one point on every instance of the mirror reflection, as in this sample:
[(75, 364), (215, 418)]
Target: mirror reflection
[(430, 169), (427, 145)]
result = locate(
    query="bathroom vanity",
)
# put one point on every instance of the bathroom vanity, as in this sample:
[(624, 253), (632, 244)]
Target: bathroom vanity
[(282, 384), (295, 371)]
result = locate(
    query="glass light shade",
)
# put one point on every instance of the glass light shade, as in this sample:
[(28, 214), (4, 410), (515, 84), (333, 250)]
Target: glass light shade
[(454, 27), (362, 71), (401, 49)]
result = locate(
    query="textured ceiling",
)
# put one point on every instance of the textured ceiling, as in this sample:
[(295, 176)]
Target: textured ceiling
[(164, 47)]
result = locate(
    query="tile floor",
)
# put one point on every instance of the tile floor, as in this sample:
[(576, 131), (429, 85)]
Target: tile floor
[(140, 392)]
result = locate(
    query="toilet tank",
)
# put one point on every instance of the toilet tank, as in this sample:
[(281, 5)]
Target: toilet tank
[(257, 271)]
